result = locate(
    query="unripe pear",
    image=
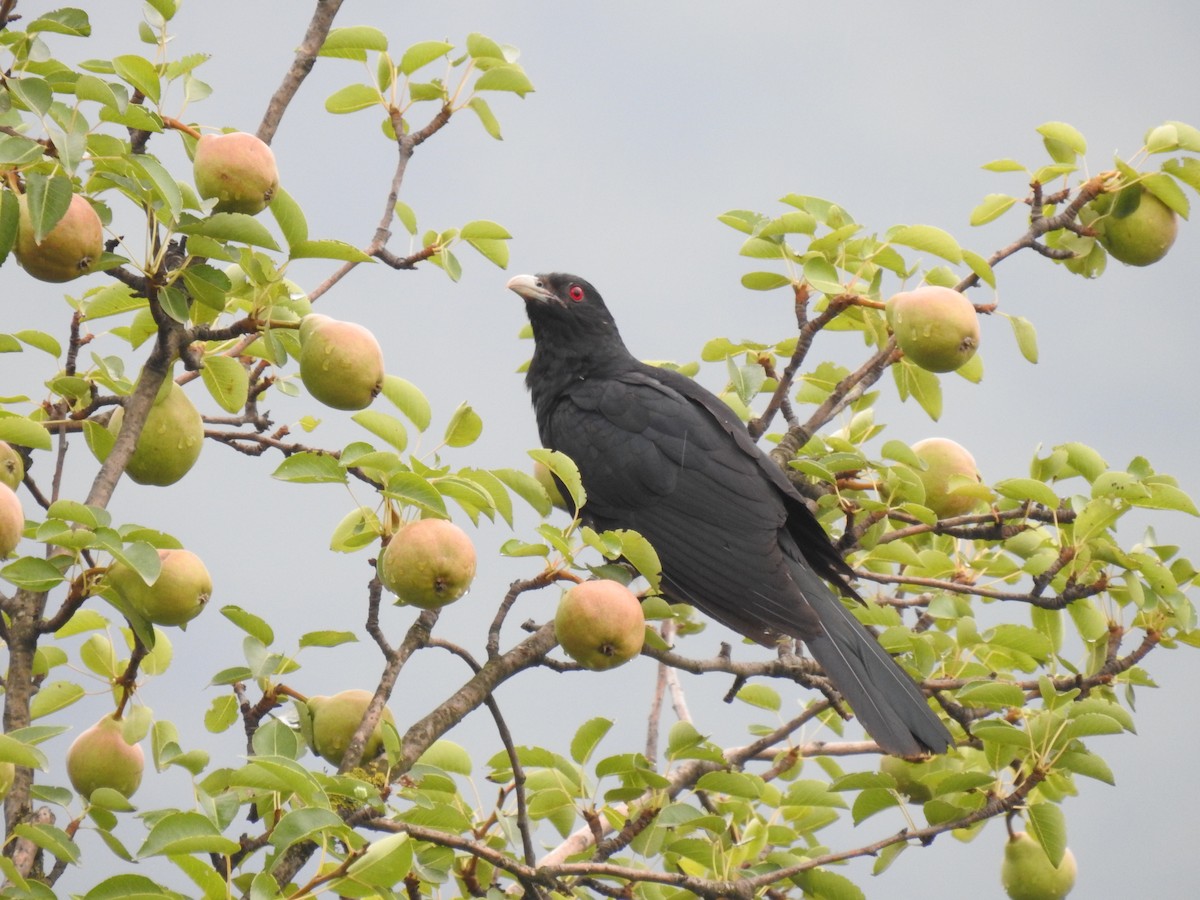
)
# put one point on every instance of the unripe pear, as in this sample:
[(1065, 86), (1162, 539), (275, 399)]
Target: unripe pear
[(69, 250), (600, 624), (335, 719), (12, 521), (1135, 226), (238, 170), (936, 327), (178, 595), (170, 442), (428, 563), (944, 460), (1027, 873), (12, 466), (101, 757), (341, 363)]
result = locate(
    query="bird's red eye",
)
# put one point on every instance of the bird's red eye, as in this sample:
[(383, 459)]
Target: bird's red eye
[(575, 293)]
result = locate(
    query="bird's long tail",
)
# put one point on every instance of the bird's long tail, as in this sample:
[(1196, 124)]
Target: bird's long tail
[(886, 700)]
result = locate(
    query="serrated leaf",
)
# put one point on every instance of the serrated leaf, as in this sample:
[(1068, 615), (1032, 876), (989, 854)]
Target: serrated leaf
[(929, 239), (328, 249), (409, 399), (383, 426), (310, 468), (227, 381), (1026, 336), (68, 21), (992, 207), (421, 54), (1048, 826), (352, 98), (464, 427)]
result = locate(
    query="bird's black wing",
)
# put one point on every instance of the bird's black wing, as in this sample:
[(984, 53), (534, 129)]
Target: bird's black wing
[(659, 454), (655, 460)]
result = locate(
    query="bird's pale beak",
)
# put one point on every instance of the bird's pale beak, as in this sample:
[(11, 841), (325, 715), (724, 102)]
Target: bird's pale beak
[(530, 287)]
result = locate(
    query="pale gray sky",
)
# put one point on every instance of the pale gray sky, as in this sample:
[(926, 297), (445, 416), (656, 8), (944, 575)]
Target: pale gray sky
[(649, 120)]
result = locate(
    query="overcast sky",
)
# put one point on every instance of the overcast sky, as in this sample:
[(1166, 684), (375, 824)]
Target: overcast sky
[(649, 120)]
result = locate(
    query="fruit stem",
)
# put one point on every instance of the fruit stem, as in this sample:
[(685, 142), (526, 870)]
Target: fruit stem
[(288, 692), (180, 126)]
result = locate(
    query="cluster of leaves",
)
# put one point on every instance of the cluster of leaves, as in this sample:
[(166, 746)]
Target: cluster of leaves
[(212, 291)]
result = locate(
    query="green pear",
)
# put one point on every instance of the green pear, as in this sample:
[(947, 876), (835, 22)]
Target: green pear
[(12, 521), (334, 721), (600, 624), (946, 464), (101, 757), (12, 466), (69, 250), (936, 327), (1135, 227), (341, 363), (178, 595), (428, 563), (170, 442), (1027, 873), (238, 170)]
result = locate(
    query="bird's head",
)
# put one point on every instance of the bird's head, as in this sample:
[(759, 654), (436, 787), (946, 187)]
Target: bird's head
[(564, 306)]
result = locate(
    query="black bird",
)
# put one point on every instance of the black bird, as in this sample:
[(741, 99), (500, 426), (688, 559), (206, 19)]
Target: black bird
[(659, 454)]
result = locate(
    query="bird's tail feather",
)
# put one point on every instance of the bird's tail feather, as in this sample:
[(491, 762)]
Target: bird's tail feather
[(886, 700)]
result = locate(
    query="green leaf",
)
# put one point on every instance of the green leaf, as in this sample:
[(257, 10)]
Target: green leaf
[(1048, 826), (411, 488), (51, 839), (227, 381), (18, 752), (52, 697), (480, 46), (139, 72), (33, 573), (306, 824), (464, 427), (236, 227), (421, 54), (407, 217), (186, 832), (1084, 460), (310, 468), (1026, 336), (587, 738), (32, 93), (929, 239), (352, 42), (352, 98), (328, 249), (409, 399), (385, 864), (72, 22), (505, 78), (760, 695), (1027, 489), (764, 281), (327, 638), (222, 713), (10, 218), (249, 623), (564, 468), (359, 528), (1064, 134), (289, 216), (46, 201), (127, 887), (164, 187), (992, 207), (380, 424), (486, 118), (17, 429)]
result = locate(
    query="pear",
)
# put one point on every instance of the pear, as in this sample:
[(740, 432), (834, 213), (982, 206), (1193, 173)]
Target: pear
[(334, 721), (600, 624), (1027, 873), (945, 460), (69, 250), (170, 442), (101, 757), (238, 170), (178, 595), (341, 363), (12, 521), (1135, 226), (428, 563), (936, 327), (12, 466)]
